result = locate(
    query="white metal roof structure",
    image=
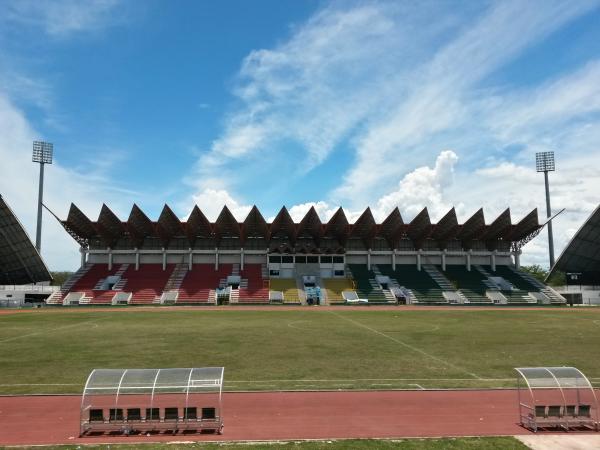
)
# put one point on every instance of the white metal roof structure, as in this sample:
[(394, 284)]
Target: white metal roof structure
[(154, 381)]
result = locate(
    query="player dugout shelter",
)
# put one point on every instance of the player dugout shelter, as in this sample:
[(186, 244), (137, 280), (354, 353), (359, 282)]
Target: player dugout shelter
[(556, 397), (145, 400)]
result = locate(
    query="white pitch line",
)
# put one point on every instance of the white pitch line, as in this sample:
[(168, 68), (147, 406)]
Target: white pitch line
[(417, 385), (40, 384), (373, 379), (411, 347), (14, 338)]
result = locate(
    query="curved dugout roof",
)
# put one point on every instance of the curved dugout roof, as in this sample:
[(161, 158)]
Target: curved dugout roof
[(20, 262), (284, 229), (582, 253), (154, 381)]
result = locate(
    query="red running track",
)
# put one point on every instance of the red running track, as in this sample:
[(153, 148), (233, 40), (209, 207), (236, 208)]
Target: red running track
[(266, 416)]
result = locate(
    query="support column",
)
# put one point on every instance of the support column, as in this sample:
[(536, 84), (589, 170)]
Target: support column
[(369, 260), (419, 260), (109, 258), (444, 260), (394, 259), (493, 261), (164, 254), (190, 258), (216, 258), (82, 251), (517, 254), (242, 258), (469, 260), (137, 258)]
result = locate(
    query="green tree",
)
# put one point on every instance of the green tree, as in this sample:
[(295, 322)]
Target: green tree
[(59, 278)]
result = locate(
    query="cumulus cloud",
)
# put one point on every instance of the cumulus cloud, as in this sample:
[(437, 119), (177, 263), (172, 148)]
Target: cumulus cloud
[(211, 202), (423, 187)]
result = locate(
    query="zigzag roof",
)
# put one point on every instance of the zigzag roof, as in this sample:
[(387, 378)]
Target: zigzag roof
[(138, 226)]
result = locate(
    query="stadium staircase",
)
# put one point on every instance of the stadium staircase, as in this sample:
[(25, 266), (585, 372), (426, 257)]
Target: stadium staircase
[(387, 292), (254, 284), (147, 284), (302, 270), (199, 284), (422, 288), (471, 284), (526, 290), (366, 285), (88, 283), (171, 290), (333, 289), (554, 297), (57, 297)]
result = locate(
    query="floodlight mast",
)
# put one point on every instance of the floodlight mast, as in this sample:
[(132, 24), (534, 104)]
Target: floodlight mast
[(42, 154), (544, 162)]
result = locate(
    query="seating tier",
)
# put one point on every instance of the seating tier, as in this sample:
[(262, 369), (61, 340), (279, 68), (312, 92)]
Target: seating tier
[(334, 287), (471, 283), (200, 281), (424, 288), (362, 277), (291, 293), (147, 283), (255, 290)]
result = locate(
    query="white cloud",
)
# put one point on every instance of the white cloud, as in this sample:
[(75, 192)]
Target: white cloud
[(423, 187), (441, 95), (211, 202), (60, 18)]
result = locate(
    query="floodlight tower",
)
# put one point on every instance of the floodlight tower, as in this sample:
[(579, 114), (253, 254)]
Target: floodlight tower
[(42, 154), (544, 162)]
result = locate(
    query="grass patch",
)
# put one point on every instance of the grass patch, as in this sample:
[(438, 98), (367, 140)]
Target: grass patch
[(54, 351)]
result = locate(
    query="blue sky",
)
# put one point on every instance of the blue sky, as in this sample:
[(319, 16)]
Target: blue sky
[(301, 103)]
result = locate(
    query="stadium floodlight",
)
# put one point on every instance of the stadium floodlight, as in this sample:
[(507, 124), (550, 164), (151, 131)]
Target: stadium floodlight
[(42, 154), (544, 162)]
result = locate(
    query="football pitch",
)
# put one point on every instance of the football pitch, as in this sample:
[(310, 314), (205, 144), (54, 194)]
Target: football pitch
[(53, 351)]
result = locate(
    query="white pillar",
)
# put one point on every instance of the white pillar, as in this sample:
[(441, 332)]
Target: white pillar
[(469, 260), (493, 261), (444, 260), (190, 260), (242, 258), (394, 259), (419, 260), (109, 258), (164, 253), (82, 251), (369, 260), (137, 258), (517, 259), (216, 258)]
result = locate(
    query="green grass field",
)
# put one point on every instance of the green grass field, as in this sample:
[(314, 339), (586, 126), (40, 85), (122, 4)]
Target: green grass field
[(54, 351)]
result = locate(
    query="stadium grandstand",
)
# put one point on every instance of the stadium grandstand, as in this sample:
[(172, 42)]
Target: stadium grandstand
[(580, 262), (169, 261), (21, 266)]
